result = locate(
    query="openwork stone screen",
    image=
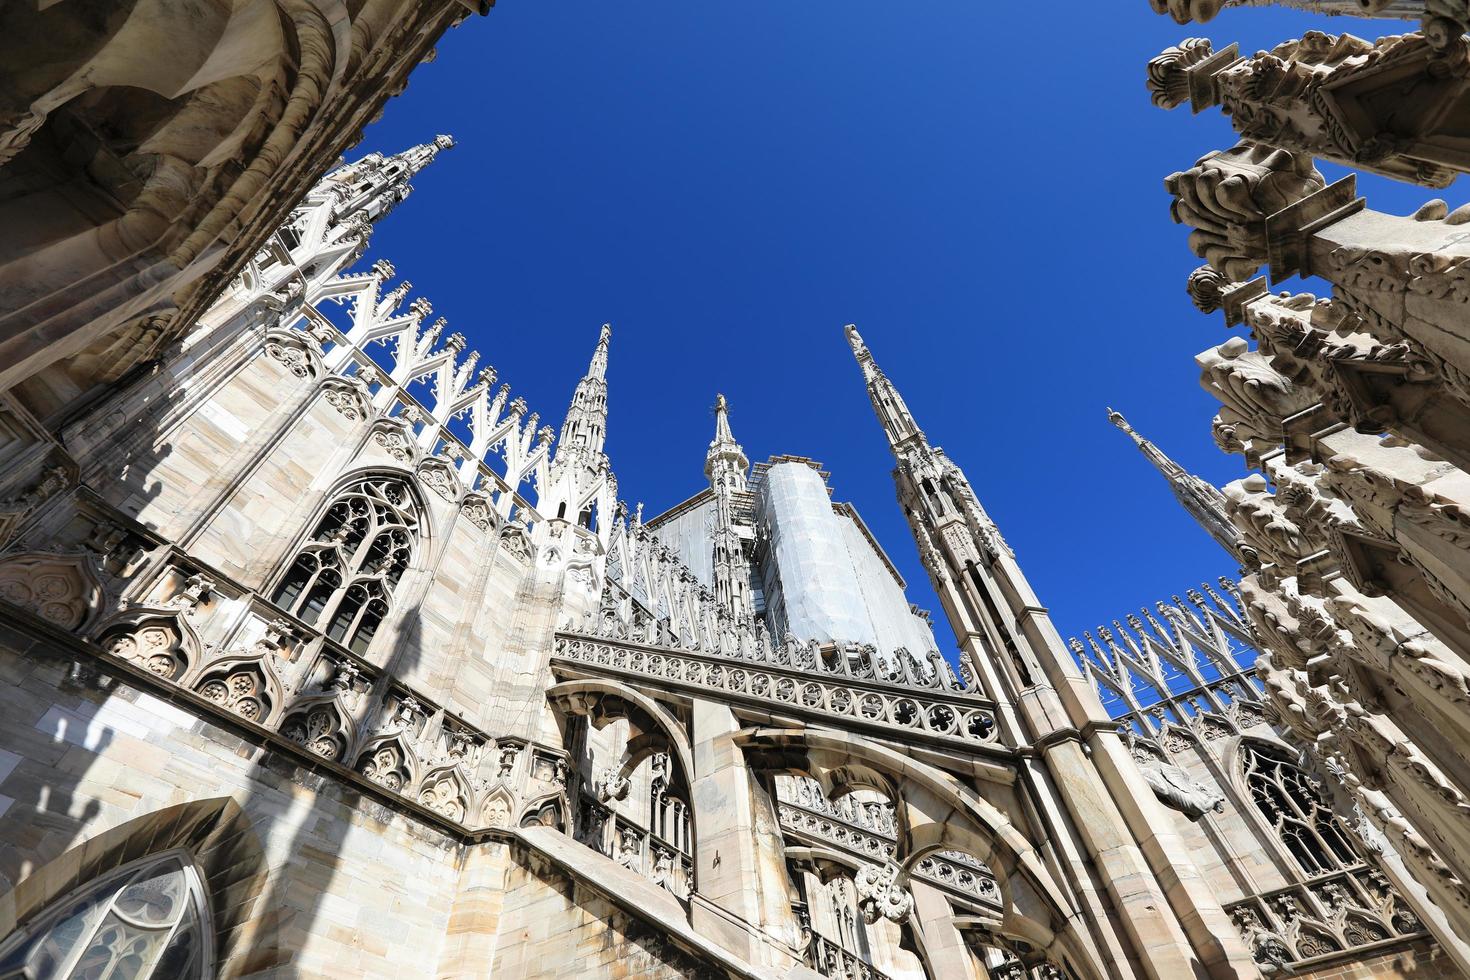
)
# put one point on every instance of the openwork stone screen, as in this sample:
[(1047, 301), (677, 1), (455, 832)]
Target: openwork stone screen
[(145, 921), (345, 573), (1296, 810)]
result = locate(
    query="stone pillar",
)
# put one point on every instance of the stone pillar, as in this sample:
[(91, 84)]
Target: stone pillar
[(474, 919), (1148, 871), (948, 955), (741, 897)]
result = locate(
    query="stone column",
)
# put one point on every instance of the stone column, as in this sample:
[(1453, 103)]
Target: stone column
[(1168, 911), (949, 956), (474, 919)]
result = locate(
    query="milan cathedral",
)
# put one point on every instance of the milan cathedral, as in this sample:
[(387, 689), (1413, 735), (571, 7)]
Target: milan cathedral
[(322, 656)]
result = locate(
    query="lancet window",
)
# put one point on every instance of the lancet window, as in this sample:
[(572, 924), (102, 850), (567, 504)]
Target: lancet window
[(148, 920), (345, 573), (1296, 810)]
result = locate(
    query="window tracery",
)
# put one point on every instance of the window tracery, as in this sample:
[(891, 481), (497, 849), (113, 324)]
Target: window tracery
[(346, 572), (148, 920), (1296, 810)]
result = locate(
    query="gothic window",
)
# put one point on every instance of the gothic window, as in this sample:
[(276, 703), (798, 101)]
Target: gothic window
[(1296, 810), (148, 920), (344, 575)]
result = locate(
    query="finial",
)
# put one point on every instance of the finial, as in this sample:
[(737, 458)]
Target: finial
[(444, 141), (1117, 419), (598, 367), (855, 339)]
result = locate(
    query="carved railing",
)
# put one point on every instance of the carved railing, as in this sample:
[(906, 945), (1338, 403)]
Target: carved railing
[(290, 685), (634, 847), (661, 602), (871, 815), (833, 960), (1335, 915), (951, 870), (959, 872), (829, 957), (959, 719), (867, 829)]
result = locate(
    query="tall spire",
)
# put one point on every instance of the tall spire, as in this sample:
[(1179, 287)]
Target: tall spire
[(725, 463), (585, 428), (898, 422), (726, 467), (376, 184), (1201, 498), (598, 368)]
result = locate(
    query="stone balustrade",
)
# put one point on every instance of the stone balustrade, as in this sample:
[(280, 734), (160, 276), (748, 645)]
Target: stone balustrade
[(893, 709)]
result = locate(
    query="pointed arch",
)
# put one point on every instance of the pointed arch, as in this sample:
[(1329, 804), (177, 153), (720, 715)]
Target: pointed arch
[(605, 701), (389, 761), (347, 572), (214, 833), (1293, 807), (162, 641), (64, 590), (547, 810), (495, 811), (936, 812), (446, 791), (322, 724), (245, 684)]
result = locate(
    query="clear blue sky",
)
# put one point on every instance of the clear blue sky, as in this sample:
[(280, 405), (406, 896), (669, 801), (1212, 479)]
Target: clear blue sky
[(978, 186)]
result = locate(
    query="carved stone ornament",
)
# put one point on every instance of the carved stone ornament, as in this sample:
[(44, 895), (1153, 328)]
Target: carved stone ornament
[(349, 396), (476, 510), (611, 786), (879, 897), (292, 350), (1335, 97), (396, 441), (60, 589), (439, 477), (1175, 787), (1227, 196)]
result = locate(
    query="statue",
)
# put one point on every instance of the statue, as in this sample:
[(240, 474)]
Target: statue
[(1176, 788)]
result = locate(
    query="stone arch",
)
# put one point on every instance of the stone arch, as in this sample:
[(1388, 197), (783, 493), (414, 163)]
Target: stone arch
[(215, 832), (445, 791), (1307, 827), (497, 808), (547, 810), (605, 701), (389, 761), (323, 725), (244, 684), (639, 748), (516, 542), (334, 578), (940, 813), (161, 641), (61, 589)]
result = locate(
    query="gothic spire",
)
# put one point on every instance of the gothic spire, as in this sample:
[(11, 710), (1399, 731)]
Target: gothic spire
[(1201, 498), (898, 423), (598, 368), (725, 462), (376, 184), (585, 427)]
